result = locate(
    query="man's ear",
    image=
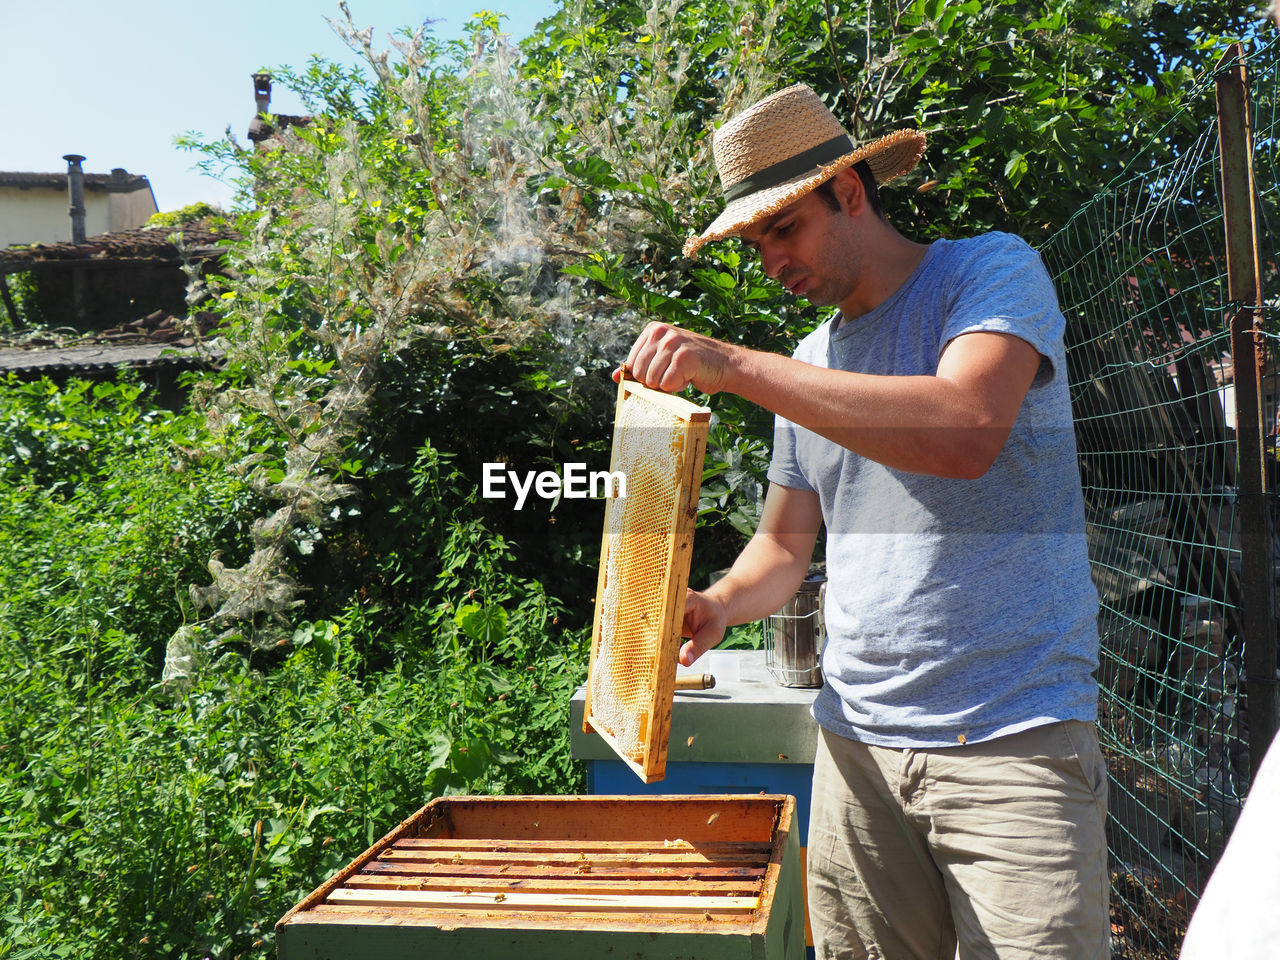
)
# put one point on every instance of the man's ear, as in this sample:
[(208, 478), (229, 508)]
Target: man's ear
[(848, 189)]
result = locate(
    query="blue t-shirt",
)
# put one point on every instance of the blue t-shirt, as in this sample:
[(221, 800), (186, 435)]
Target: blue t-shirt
[(954, 608)]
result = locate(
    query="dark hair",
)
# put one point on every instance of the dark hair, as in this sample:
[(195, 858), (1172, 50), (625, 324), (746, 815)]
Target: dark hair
[(869, 187)]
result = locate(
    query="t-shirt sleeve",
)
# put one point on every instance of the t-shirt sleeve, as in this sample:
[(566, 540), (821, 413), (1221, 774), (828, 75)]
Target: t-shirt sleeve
[(784, 467), (1004, 288)]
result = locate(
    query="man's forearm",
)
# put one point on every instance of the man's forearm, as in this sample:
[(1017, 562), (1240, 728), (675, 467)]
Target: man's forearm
[(952, 423), (765, 575), (763, 578), (939, 425)]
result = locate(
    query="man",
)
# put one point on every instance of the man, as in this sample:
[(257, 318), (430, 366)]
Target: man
[(959, 793)]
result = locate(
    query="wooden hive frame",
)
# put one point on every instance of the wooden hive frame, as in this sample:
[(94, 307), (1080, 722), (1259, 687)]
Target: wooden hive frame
[(671, 548)]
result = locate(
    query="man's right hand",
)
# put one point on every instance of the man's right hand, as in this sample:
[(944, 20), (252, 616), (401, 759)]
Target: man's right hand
[(705, 622), (670, 358)]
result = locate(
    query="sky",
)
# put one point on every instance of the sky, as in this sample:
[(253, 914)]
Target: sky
[(118, 81)]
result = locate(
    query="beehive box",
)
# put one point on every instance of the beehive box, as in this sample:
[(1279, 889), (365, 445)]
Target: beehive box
[(691, 877)]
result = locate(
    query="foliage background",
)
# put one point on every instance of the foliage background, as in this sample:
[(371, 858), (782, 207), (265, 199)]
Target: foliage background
[(241, 639)]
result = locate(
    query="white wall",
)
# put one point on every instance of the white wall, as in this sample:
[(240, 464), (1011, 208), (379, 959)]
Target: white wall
[(42, 214), (126, 210)]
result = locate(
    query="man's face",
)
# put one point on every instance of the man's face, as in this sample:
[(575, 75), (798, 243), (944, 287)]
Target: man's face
[(812, 250)]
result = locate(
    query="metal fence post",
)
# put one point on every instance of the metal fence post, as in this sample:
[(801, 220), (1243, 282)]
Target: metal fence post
[(1248, 352)]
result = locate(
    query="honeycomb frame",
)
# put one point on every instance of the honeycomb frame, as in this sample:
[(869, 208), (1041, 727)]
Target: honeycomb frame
[(645, 554)]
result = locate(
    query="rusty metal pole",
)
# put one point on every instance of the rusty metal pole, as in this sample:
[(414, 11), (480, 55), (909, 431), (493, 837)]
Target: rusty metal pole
[(75, 188), (1248, 354)]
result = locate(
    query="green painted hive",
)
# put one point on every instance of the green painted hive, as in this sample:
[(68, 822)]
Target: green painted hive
[(659, 878)]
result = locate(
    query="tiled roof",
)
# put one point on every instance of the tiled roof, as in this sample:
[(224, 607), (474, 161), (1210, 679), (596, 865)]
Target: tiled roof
[(143, 243), (118, 181), (156, 340), (98, 358)]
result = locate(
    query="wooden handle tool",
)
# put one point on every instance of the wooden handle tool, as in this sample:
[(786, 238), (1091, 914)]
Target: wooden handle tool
[(695, 681)]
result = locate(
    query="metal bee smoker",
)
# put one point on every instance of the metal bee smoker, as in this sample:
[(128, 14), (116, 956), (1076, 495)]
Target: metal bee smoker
[(795, 636)]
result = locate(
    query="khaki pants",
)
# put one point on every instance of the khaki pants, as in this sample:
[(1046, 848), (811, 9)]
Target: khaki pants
[(987, 850)]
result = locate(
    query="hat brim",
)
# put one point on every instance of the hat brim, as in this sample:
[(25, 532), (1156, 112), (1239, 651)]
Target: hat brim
[(889, 157)]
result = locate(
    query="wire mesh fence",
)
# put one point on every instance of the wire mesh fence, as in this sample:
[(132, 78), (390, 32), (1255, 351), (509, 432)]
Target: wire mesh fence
[(1177, 555)]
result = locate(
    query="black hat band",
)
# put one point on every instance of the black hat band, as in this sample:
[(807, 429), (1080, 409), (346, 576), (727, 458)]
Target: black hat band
[(792, 167)]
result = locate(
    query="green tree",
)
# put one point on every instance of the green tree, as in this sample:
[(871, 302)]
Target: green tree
[(1031, 107), (456, 201)]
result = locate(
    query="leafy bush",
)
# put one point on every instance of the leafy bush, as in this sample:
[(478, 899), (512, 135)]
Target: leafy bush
[(191, 213), (25, 294), (153, 820), (183, 828)]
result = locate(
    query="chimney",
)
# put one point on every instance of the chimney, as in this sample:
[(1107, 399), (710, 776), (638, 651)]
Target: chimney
[(262, 92), (75, 188)]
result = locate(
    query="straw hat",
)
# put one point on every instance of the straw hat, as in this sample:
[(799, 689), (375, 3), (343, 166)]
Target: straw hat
[(779, 149)]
